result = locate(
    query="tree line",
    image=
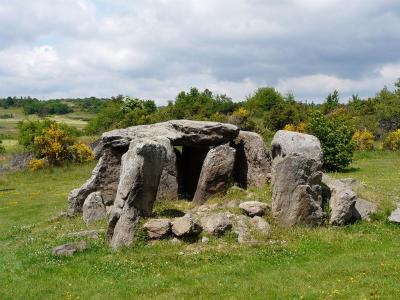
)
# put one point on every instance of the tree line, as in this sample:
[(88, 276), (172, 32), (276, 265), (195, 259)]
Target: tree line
[(361, 124)]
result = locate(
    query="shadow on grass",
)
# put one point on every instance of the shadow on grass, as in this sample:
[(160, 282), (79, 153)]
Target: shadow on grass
[(170, 213), (350, 170), (7, 190)]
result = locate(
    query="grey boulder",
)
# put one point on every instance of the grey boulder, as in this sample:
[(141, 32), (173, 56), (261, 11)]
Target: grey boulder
[(342, 205), (216, 173), (364, 209), (287, 142), (158, 228), (395, 215), (254, 208), (93, 208), (249, 229), (261, 224), (345, 205), (297, 192), (253, 160), (69, 249), (185, 226), (216, 224)]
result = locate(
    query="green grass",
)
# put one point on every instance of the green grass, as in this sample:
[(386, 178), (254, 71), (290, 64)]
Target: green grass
[(360, 261), (8, 127)]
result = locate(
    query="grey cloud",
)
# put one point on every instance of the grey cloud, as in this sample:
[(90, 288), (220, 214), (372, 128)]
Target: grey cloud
[(156, 48)]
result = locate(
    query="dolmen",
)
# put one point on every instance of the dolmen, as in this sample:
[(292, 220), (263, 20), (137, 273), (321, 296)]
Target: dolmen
[(195, 160), (176, 159)]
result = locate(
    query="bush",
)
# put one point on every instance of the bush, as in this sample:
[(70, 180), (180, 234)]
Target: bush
[(80, 152), (392, 141), (53, 144), (28, 130), (36, 164), (263, 100), (301, 127), (363, 139), (240, 118), (283, 113), (336, 140)]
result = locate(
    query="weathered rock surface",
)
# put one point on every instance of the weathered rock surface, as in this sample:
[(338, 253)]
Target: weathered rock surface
[(297, 193), (123, 226), (261, 224), (205, 208), (253, 160), (287, 142), (216, 224), (179, 132), (69, 249), (254, 208), (169, 182), (248, 228), (342, 205), (241, 228), (158, 228), (140, 175), (94, 208), (185, 226), (364, 209), (345, 205), (105, 178), (395, 215), (216, 174)]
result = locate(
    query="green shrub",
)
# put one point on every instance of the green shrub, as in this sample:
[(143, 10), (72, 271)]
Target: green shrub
[(263, 100), (29, 129), (392, 141), (336, 140)]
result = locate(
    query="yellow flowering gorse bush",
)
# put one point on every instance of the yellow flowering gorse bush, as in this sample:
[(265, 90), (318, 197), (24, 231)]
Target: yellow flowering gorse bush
[(36, 164), (81, 152), (54, 145), (363, 139), (301, 127), (392, 141)]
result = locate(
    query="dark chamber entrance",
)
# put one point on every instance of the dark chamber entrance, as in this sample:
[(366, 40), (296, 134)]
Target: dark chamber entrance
[(189, 168)]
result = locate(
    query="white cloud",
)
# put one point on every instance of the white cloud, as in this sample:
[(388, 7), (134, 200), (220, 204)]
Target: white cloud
[(320, 85), (156, 48)]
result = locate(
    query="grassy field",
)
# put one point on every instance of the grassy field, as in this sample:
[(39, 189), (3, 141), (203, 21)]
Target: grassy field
[(8, 127), (360, 261)]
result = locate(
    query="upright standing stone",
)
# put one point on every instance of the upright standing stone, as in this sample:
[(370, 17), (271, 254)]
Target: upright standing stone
[(169, 181), (253, 160), (216, 174), (94, 208), (140, 176), (105, 178), (296, 179), (297, 195)]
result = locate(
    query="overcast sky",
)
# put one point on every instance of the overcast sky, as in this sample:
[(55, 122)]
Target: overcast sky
[(155, 48)]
